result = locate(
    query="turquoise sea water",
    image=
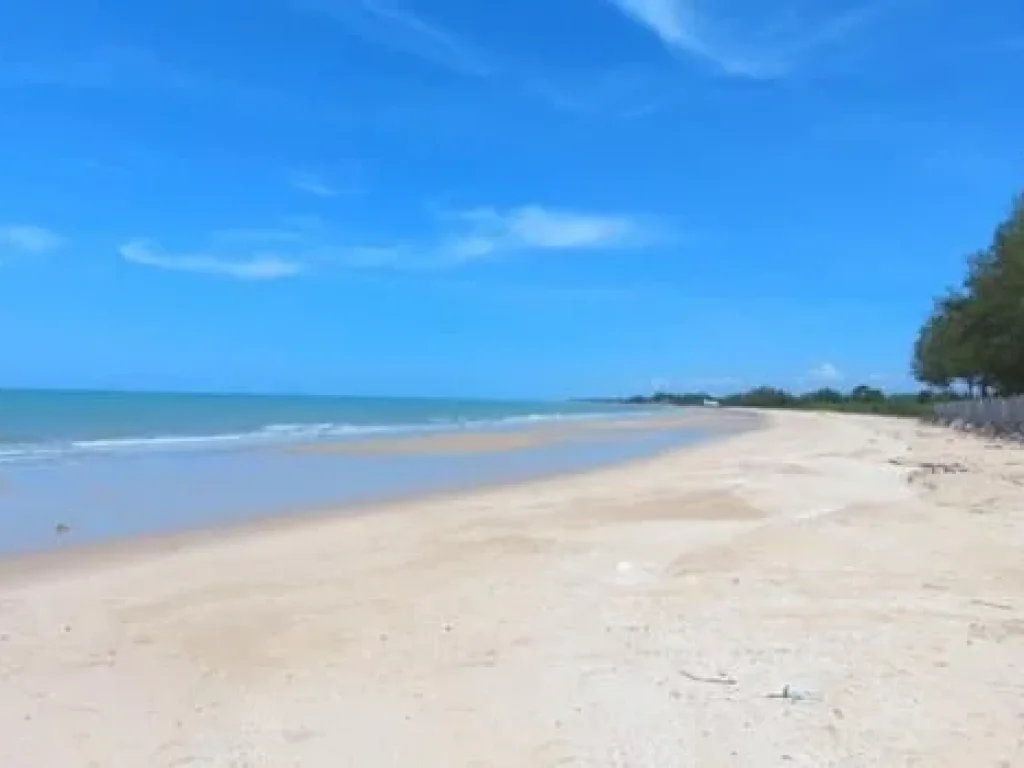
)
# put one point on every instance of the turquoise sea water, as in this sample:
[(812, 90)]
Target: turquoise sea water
[(100, 466), (40, 424)]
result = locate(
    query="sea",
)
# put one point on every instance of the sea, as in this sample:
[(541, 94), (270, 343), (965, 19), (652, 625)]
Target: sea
[(45, 424), (85, 468)]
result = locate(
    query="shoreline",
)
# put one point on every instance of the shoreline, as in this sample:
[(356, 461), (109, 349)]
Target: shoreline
[(359, 419), (107, 498), (22, 566), (781, 595)]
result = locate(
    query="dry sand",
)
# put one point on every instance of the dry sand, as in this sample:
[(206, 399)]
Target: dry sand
[(647, 615)]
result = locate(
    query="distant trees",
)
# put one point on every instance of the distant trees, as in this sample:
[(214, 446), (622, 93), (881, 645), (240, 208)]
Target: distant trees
[(668, 398), (861, 399), (762, 397), (825, 395), (974, 337), (971, 343), (866, 394)]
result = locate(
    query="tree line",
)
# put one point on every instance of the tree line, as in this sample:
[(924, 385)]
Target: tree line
[(973, 341), (860, 399)]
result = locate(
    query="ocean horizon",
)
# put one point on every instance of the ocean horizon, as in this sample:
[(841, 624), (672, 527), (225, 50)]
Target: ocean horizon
[(39, 424)]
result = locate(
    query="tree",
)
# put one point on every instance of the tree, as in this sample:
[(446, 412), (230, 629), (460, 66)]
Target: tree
[(946, 350), (762, 397), (996, 324), (975, 336), (866, 394), (824, 395)]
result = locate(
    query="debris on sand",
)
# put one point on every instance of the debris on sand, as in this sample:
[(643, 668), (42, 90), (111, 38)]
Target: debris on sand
[(932, 467), (720, 678), (793, 694)]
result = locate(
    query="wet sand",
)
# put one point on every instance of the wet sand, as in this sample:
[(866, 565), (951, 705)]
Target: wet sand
[(479, 441), (448, 442), (828, 590), (132, 496)]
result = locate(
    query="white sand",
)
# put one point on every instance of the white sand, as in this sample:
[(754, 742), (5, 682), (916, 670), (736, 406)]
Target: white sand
[(561, 622)]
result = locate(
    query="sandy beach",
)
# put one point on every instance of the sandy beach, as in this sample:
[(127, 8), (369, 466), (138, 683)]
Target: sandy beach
[(824, 591)]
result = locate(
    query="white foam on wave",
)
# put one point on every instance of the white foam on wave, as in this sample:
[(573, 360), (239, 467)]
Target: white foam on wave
[(276, 434)]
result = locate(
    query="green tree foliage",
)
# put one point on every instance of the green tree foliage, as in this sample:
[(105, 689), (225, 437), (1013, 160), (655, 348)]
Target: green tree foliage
[(861, 399), (866, 394), (972, 343), (825, 395), (974, 338), (667, 398), (762, 397)]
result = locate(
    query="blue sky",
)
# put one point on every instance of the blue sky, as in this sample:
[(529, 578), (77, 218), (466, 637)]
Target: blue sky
[(531, 198)]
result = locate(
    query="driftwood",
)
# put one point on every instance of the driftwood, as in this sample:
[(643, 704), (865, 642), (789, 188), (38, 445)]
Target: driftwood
[(720, 679), (932, 467), (990, 604), (791, 694)]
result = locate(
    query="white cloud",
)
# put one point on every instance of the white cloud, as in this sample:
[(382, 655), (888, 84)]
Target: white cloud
[(254, 268), (485, 233), (763, 48), (312, 184), (470, 247), (29, 239), (538, 227), (489, 231), (460, 238), (825, 372), (387, 23), (622, 93)]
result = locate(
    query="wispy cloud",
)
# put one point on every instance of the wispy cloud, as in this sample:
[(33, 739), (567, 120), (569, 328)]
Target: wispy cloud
[(459, 238), (756, 47), (486, 232), (255, 267), (619, 92), (825, 372), (317, 184), (623, 93), (27, 238), (389, 24), (312, 184)]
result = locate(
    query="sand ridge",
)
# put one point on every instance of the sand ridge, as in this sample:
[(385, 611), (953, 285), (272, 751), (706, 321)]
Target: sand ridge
[(644, 615)]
